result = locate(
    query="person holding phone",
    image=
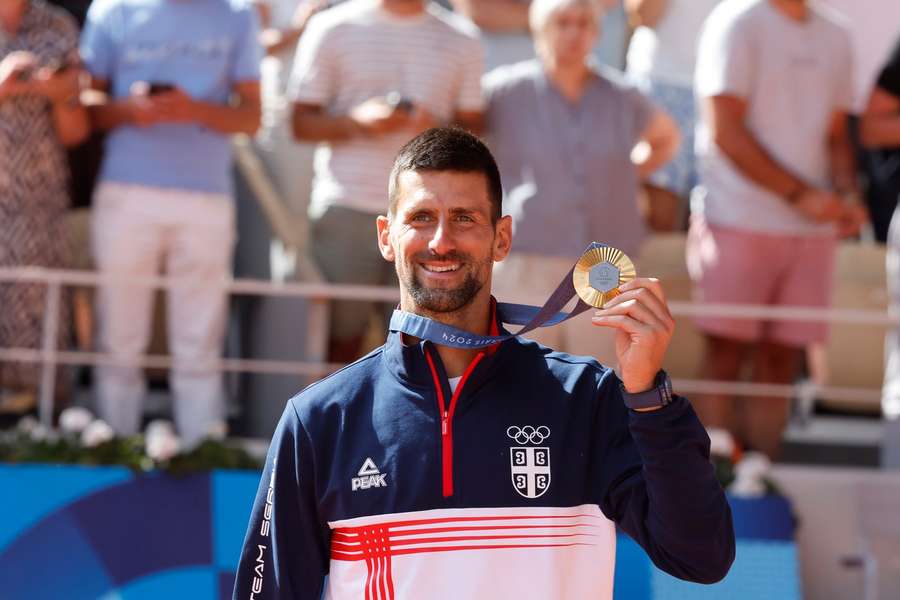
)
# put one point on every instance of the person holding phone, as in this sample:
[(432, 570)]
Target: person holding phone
[(172, 81), (368, 76), (39, 116)]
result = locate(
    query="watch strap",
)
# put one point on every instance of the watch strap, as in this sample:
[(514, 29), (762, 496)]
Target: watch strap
[(658, 396)]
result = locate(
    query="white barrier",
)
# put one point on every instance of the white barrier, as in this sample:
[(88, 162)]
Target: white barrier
[(49, 357)]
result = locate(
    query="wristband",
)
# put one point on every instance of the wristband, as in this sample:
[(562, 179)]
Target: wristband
[(658, 396)]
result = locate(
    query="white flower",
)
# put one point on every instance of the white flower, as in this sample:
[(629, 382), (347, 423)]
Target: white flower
[(753, 464), (75, 419), (161, 441), (159, 427), (746, 487), (721, 443), (27, 424), (44, 434), (98, 432), (39, 433), (750, 475)]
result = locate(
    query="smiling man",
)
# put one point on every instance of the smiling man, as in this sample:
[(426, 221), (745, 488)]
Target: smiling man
[(430, 471)]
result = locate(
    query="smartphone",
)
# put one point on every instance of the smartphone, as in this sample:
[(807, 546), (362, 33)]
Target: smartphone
[(159, 88)]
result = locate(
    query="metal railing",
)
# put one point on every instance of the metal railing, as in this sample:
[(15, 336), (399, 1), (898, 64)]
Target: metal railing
[(50, 357)]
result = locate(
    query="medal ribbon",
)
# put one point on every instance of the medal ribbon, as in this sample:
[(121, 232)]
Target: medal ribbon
[(531, 317)]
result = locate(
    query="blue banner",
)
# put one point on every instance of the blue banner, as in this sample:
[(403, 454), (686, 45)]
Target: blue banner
[(103, 533)]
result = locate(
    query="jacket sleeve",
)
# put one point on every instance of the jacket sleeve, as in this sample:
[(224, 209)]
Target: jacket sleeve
[(285, 555), (657, 483)]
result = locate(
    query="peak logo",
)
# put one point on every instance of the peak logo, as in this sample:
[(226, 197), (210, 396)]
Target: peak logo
[(368, 476)]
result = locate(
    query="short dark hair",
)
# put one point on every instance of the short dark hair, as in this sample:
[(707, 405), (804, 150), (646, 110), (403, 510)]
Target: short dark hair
[(448, 149)]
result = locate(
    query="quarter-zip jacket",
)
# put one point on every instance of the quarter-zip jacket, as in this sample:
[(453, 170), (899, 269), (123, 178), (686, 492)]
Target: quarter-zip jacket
[(382, 479)]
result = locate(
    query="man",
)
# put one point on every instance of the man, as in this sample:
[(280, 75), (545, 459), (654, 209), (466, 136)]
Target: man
[(170, 95), (430, 471), (775, 165), (369, 75), (564, 132), (880, 130)]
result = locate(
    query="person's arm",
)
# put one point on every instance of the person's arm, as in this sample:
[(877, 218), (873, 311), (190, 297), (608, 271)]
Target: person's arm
[(106, 113), (725, 117), (285, 551), (662, 490), (646, 13), (844, 181), (70, 119), (241, 115), (658, 142), (880, 123), (842, 161), (495, 15), (19, 75), (372, 118), (654, 477)]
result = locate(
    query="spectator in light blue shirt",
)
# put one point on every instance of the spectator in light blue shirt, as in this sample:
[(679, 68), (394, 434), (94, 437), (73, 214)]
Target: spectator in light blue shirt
[(175, 80)]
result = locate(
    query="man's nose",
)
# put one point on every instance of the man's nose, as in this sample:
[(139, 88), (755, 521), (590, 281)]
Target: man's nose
[(442, 240)]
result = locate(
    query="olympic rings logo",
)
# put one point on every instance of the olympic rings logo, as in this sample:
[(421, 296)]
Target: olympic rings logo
[(528, 434)]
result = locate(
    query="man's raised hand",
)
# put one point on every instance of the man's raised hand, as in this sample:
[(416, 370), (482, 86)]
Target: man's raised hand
[(644, 327)]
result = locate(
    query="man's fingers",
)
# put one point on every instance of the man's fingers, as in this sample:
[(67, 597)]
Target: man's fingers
[(651, 283), (623, 322), (648, 299), (658, 301), (637, 311)]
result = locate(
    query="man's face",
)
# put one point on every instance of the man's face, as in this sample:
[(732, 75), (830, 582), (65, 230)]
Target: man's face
[(442, 240), (569, 35)]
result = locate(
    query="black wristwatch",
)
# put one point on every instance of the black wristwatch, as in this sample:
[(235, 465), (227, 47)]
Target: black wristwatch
[(657, 396)]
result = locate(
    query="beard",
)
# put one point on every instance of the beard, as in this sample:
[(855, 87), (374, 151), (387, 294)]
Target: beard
[(443, 300)]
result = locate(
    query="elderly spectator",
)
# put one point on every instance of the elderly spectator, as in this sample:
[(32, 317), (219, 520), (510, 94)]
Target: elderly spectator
[(564, 132), (776, 164), (169, 94), (880, 130), (40, 115), (370, 75), (661, 59), (507, 39)]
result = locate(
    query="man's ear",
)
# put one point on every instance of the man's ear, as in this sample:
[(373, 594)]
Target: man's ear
[(383, 225), (502, 238)]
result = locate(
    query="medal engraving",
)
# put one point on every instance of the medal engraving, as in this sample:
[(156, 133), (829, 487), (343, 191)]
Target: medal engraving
[(604, 277), (599, 273)]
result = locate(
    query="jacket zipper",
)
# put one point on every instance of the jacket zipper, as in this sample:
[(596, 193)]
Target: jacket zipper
[(446, 413)]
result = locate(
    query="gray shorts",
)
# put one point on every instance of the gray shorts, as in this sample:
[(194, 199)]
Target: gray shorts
[(345, 247)]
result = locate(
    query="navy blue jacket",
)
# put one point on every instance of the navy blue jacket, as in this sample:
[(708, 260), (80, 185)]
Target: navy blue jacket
[(383, 479)]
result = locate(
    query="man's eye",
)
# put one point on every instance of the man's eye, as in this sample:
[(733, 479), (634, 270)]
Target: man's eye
[(465, 218), (421, 217)]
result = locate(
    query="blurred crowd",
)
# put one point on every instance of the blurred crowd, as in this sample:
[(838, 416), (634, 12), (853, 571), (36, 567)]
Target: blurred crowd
[(767, 130)]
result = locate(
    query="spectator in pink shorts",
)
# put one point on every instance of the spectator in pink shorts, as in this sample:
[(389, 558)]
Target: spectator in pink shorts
[(776, 167)]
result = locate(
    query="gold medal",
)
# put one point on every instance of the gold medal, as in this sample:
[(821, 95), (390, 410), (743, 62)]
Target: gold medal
[(599, 273)]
